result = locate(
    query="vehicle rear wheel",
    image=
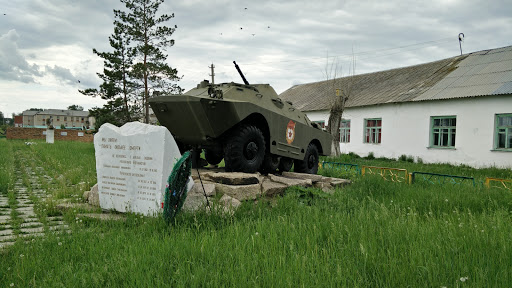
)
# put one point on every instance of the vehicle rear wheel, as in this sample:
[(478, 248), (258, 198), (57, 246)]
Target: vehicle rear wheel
[(212, 157), (310, 163), (270, 164), (244, 149), (285, 164)]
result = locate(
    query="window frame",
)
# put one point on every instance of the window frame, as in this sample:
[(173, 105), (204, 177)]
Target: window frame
[(320, 123), (344, 131), (375, 136), (507, 132), (451, 130)]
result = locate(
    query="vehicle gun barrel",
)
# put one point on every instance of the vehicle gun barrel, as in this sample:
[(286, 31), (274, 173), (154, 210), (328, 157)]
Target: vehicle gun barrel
[(241, 74)]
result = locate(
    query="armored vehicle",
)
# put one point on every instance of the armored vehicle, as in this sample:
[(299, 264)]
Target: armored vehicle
[(248, 126)]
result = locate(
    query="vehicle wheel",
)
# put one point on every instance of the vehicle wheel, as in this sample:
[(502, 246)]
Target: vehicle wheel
[(310, 163), (244, 150), (285, 164), (270, 164), (212, 157)]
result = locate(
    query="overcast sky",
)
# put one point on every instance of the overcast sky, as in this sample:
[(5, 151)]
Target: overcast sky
[(46, 45)]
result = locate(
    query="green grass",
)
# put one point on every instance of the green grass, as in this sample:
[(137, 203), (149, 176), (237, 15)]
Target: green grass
[(372, 233)]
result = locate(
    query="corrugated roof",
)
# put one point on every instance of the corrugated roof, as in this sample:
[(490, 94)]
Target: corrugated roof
[(482, 73), (57, 112)]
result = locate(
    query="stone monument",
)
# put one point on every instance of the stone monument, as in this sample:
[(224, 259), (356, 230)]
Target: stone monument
[(133, 163)]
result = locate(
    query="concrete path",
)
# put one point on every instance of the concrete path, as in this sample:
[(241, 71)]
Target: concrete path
[(18, 219)]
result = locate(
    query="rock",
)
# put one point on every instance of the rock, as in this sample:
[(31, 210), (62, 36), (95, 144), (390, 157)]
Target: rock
[(209, 188), (313, 177), (194, 202), (325, 186), (240, 192), (234, 178), (339, 182), (94, 197), (291, 181), (85, 197), (270, 188), (229, 202), (205, 170)]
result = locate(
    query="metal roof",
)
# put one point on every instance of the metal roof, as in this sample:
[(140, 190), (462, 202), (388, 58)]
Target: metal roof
[(482, 73), (57, 112)]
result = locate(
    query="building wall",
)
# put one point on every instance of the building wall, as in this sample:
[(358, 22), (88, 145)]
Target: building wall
[(406, 130), (59, 117), (38, 133)]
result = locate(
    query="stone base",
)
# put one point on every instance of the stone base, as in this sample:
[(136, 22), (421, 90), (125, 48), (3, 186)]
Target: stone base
[(236, 187)]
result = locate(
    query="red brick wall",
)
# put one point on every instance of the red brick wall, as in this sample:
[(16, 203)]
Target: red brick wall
[(37, 133)]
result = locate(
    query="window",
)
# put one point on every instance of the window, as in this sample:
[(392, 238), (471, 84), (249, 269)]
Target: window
[(503, 133), (442, 131), (65, 118), (345, 131), (320, 124), (373, 130)]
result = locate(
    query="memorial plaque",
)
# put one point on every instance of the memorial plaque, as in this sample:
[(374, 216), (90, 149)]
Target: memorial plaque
[(133, 163)]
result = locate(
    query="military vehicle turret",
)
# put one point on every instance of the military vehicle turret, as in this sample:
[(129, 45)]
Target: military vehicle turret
[(248, 126)]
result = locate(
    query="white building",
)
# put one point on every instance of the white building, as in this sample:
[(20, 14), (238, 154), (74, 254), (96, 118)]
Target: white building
[(457, 110), (69, 119)]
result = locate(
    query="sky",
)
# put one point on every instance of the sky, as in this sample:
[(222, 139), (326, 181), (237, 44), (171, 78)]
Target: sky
[(46, 45)]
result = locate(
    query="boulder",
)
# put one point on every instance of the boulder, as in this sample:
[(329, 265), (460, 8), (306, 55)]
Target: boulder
[(239, 192), (233, 178), (85, 197), (325, 186), (194, 202), (339, 182), (291, 181), (313, 177), (94, 197), (270, 188), (229, 202), (209, 189)]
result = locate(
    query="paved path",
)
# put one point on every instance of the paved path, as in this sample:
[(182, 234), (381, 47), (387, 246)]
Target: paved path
[(18, 219)]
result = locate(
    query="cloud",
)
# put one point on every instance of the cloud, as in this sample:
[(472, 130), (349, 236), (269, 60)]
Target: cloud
[(13, 65), (62, 74)]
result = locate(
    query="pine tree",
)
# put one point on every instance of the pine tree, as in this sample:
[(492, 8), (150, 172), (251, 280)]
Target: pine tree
[(150, 36), (115, 76)]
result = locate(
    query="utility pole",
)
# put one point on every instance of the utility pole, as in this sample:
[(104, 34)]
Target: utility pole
[(461, 38), (213, 73)]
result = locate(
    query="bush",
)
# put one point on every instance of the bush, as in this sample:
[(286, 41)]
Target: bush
[(370, 156)]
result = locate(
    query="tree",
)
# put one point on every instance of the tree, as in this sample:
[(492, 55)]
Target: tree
[(76, 108), (150, 36), (113, 112), (341, 89), (115, 76)]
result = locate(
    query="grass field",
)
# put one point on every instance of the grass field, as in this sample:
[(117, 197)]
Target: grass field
[(372, 233)]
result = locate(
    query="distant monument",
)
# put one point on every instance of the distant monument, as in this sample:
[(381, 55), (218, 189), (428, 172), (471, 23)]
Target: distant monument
[(50, 132), (133, 163)]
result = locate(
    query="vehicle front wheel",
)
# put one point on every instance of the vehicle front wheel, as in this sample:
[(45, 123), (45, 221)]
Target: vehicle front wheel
[(244, 149), (310, 163)]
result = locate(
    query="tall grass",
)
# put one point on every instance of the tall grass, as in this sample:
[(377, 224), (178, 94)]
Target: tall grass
[(369, 234), (6, 167)]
